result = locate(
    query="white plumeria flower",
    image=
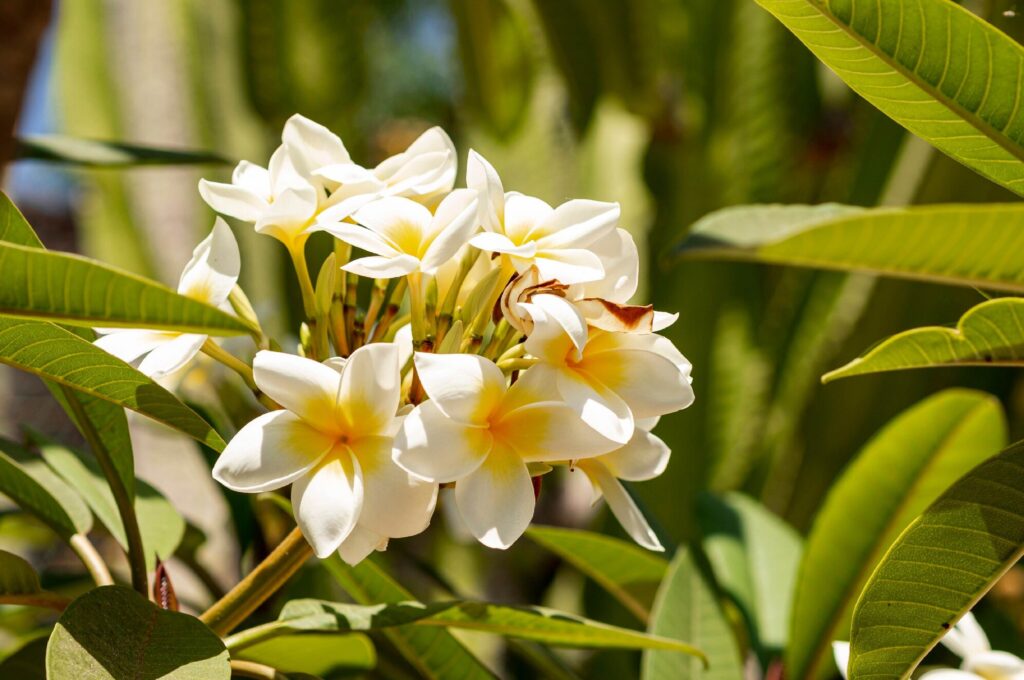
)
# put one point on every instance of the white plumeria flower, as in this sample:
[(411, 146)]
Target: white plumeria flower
[(644, 457), (479, 433), (967, 640), (332, 443), (208, 277), (405, 237), (611, 379), (560, 241)]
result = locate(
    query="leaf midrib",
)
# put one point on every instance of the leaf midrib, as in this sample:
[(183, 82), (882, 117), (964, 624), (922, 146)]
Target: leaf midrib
[(972, 119), (873, 555)]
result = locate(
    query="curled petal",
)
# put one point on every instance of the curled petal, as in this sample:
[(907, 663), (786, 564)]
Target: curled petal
[(617, 318), (233, 201), (252, 177), (402, 223), (600, 407), (395, 504), (377, 267), (496, 501), (303, 386), (966, 638), (644, 457), (555, 319), (649, 383), (523, 214), (129, 345), (171, 356), (550, 431), (568, 265), (327, 501), (499, 243), (360, 237), (450, 229), (371, 385), (994, 665), (312, 146), (483, 178), (360, 544), (576, 224), (622, 505), (436, 448), (271, 451), (213, 270), (426, 168), (621, 262), (663, 320), (465, 387)]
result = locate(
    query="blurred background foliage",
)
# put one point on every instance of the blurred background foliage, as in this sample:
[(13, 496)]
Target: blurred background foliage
[(672, 107)]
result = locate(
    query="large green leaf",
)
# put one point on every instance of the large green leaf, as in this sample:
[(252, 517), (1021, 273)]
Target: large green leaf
[(113, 632), (973, 245), (930, 65), (13, 226), (27, 663), (688, 608), (989, 334), (33, 487), (939, 567), (754, 556), (160, 525), (540, 624), (905, 467), (434, 652), (19, 584), (72, 289), (56, 354), (628, 573), (94, 152), (318, 654)]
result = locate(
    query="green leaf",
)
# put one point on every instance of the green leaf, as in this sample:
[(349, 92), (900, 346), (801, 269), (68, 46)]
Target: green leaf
[(971, 245), (27, 663), (497, 71), (905, 467), (754, 556), (19, 584), (319, 654), (72, 289), (989, 334), (630, 574), (14, 228), (33, 487), (540, 624), (55, 354), (113, 632), (939, 568), (94, 152), (160, 525), (932, 66), (688, 608)]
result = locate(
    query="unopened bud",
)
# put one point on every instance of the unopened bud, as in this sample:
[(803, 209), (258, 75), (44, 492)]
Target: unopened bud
[(325, 282)]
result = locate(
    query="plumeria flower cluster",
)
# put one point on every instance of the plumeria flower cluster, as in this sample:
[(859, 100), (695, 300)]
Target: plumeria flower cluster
[(967, 640), (497, 343)]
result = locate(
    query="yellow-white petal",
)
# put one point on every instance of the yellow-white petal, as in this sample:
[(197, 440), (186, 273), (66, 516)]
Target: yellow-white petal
[(622, 505), (650, 384), (395, 504), (371, 386), (435, 448), (465, 387), (644, 457), (303, 386), (289, 214), (171, 356), (130, 344), (254, 178), (496, 501), (213, 270), (453, 223), (621, 262), (492, 242), (576, 224), (376, 267), (841, 654), (995, 664), (426, 168), (555, 319), (483, 178), (360, 237), (568, 265), (327, 501), (966, 637), (550, 431), (597, 405), (311, 145), (234, 201), (271, 451), (360, 544), (523, 214)]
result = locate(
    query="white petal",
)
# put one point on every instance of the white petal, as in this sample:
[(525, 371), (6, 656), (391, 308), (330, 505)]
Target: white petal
[(450, 229), (343, 203), (283, 173), (303, 386), (621, 261), (995, 665), (213, 270), (400, 221), (360, 237), (128, 345), (327, 501), (644, 457), (615, 317), (377, 267), (949, 674), (347, 173), (233, 201), (576, 224), (289, 214), (499, 243), (483, 178), (252, 177), (841, 654), (496, 501), (650, 384), (271, 451), (360, 544), (663, 320), (395, 503), (568, 265), (966, 637), (465, 387), (597, 405), (427, 167), (371, 386), (311, 145), (622, 506), (523, 214), (172, 356), (438, 449), (551, 314)]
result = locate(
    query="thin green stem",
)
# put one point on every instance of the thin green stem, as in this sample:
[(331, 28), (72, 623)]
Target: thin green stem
[(317, 335), (94, 564), (251, 669), (43, 599), (219, 354), (266, 579), (417, 311)]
